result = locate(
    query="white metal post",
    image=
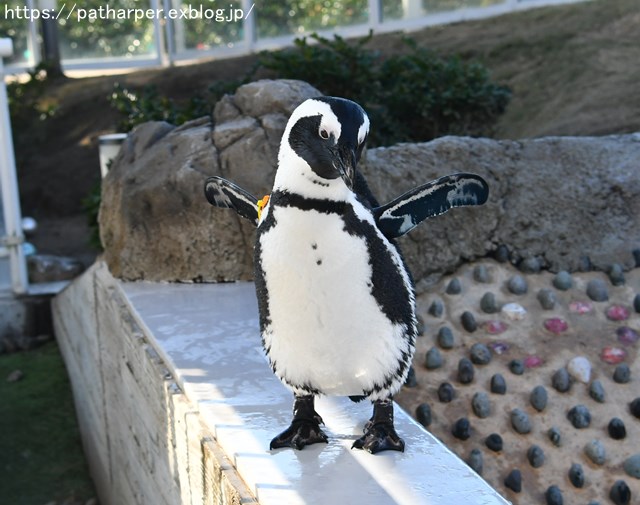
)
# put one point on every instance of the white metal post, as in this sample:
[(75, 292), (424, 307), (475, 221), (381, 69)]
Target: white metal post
[(8, 182), (158, 32), (249, 25), (375, 14), (170, 46), (33, 44)]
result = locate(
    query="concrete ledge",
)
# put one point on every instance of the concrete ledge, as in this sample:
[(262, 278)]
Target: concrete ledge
[(143, 438), (177, 405)]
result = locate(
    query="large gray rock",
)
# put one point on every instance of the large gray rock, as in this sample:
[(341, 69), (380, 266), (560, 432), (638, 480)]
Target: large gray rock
[(556, 199), (559, 199), (155, 222)]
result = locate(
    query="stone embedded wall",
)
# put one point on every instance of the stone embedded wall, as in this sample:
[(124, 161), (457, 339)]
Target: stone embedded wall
[(560, 203), (144, 441)]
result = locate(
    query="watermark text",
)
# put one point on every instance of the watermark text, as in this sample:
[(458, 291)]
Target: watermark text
[(72, 12)]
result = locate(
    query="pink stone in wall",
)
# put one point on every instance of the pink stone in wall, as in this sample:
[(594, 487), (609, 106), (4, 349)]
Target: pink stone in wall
[(556, 325), (495, 327), (580, 307), (618, 313), (613, 355), (533, 361)]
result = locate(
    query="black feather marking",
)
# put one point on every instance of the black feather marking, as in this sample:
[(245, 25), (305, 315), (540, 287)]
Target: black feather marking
[(226, 195), (259, 276), (388, 286), (390, 290), (364, 193), (286, 199), (431, 199)]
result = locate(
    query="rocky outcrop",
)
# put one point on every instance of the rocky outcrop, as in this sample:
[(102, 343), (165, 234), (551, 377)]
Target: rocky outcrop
[(556, 203), (155, 222), (569, 203)]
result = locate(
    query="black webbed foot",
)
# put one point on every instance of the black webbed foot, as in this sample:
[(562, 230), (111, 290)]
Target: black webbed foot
[(300, 434), (380, 437), (305, 427), (379, 433)]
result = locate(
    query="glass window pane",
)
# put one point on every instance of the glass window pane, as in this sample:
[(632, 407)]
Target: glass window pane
[(98, 29), (412, 9), (14, 26), (206, 24), (284, 17)]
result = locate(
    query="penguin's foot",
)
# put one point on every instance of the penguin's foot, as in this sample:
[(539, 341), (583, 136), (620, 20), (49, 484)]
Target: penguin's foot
[(301, 433), (304, 429), (379, 433), (380, 437)]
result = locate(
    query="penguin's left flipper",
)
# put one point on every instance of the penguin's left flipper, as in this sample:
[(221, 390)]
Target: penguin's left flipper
[(431, 199), (225, 194)]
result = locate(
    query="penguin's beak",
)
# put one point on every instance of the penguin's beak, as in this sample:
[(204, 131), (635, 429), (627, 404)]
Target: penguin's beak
[(347, 165)]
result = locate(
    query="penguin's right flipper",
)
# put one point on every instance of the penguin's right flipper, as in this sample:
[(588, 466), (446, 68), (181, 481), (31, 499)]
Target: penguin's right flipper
[(226, 195), (431, 199)]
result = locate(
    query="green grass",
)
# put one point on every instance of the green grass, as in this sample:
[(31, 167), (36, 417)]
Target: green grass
[(41, 456)]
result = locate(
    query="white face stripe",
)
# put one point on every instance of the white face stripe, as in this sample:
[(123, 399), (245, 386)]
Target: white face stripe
[(310, 108), (330, 122), (363, 130)]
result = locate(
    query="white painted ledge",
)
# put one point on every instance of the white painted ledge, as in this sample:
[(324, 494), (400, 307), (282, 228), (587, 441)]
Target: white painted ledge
[(208, 337)]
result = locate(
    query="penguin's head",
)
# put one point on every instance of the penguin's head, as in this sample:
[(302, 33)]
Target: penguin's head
[(327, 135)]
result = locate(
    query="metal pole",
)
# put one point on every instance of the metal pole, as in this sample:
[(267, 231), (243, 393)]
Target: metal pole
[(158, 36), (32, 41), (375, 14), (10, 198), (250, 30), (169, 34), (50, 42)]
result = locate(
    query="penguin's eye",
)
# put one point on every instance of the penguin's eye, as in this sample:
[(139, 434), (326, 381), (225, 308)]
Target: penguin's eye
[(324, 134)]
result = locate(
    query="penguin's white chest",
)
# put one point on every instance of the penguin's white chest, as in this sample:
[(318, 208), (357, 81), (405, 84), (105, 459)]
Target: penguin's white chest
[(325, 329)]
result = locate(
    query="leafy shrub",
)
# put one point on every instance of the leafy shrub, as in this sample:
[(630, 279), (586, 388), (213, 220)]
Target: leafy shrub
[(336, 67), (428, 96), (416, 96), (91, 207), (27, 102), (412, 97), (140, 106)]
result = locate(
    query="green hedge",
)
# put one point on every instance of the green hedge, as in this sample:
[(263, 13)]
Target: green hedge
[(412, 97)]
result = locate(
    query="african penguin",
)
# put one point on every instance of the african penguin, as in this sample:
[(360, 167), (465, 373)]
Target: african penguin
[(336, 301)]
